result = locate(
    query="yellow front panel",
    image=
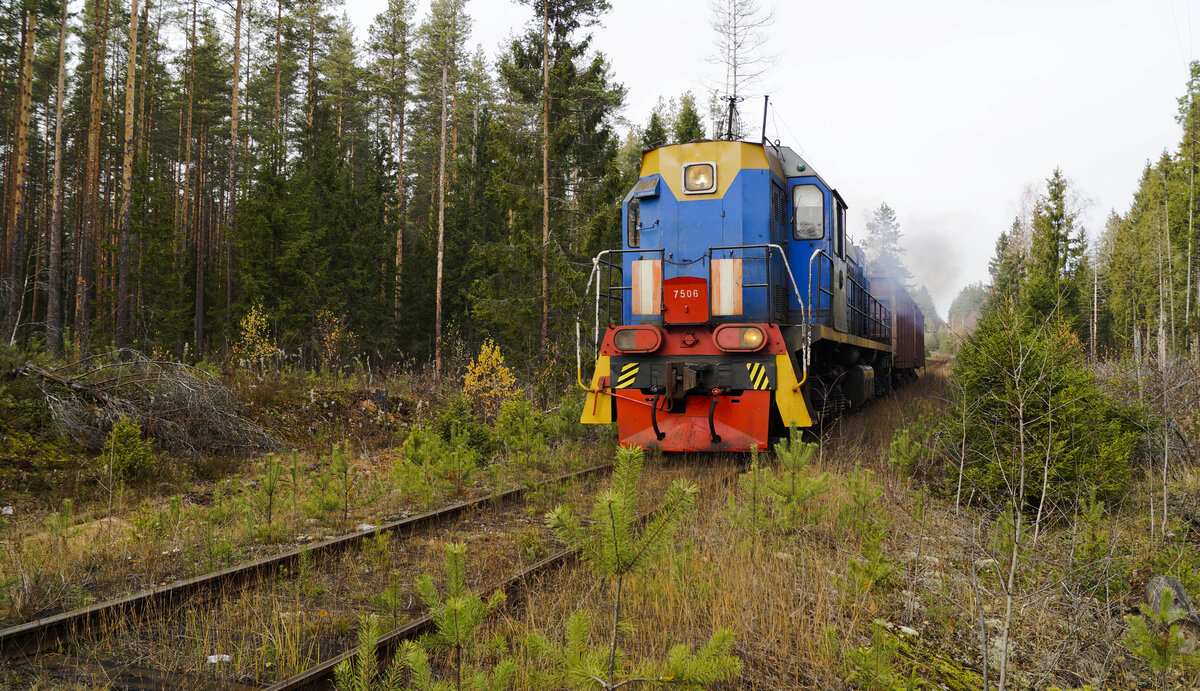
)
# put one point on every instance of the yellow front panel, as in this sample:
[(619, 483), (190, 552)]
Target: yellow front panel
[(788, 397), (598, 408), (730, 158)]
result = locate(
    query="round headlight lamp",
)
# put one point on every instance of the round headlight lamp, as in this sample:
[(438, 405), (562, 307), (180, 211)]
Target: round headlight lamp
[(699, 178)]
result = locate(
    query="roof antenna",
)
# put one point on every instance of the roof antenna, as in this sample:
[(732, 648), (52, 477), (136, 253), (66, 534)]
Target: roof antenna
[(733, 99), (766, 99)]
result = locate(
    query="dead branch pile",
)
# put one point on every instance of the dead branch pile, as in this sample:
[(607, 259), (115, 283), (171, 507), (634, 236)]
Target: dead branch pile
[(181, 407)]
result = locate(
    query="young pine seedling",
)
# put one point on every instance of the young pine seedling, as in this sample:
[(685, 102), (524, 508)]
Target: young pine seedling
[(750, 503), (1157, 638), (615, 548), (458, 614), (794, 487)]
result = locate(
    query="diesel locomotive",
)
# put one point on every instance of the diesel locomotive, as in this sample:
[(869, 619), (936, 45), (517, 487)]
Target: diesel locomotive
[(735, 307)]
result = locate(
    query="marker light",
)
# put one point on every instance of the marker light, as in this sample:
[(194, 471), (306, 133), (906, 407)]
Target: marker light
[(746, 338), (637, 339), (699, 177)]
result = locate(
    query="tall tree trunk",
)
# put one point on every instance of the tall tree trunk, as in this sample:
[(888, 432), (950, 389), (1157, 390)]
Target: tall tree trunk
[(185, 218), (278, 58), (401, 219), (310, 90), (441, 246), (233, 151), (13, 274), (122, 325), (90, 230), (198, 318), (545, 172)]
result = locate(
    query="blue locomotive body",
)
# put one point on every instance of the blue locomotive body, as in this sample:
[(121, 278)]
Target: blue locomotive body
[(735, 291)]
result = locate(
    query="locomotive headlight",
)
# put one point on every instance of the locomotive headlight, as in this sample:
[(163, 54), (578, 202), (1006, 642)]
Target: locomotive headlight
[(738, 337), (637, 339), (699, 178)]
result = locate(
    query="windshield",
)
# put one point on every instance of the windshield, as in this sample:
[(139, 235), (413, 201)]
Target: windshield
[(808, 208)]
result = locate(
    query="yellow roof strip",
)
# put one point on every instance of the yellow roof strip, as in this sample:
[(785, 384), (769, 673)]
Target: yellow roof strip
[(730, 157)]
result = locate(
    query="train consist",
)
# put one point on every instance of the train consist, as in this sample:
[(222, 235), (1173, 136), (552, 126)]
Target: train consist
[(736, 307)]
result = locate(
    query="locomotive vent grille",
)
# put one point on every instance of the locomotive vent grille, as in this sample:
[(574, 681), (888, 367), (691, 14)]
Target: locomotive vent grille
[(778, 208)]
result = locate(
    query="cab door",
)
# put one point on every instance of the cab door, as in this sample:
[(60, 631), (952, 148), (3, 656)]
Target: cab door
[(840, 283)]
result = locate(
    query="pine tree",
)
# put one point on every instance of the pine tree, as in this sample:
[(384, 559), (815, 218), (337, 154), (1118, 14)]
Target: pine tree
[(655, 134), (795, 489), (1157, 639)]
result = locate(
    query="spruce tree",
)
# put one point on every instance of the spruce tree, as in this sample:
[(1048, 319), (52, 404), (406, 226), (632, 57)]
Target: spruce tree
[(1057, 256), (688, 125), (884, 254)]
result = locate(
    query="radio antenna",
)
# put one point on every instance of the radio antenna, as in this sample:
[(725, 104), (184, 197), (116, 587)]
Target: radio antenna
[(766, 99), (733, 99)]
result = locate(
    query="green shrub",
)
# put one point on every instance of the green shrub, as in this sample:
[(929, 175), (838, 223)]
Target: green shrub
[(1033, 405), (521, 429), (460, 418), (563, 422), (130, 456)]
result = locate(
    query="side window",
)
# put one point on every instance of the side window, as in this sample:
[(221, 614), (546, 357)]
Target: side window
[(632, 220), (841, 230), (808, 212)]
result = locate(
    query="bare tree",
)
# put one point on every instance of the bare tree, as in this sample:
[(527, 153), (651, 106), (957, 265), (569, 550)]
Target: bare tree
[(742, 29), (441, 253)]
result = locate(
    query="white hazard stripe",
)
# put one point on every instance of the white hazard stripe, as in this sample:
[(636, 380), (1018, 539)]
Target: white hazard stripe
[(727, 286), (647, 286)]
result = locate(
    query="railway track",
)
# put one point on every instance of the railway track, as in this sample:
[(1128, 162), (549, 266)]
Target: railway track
[(60, 646), (321, 677), (36, 645)]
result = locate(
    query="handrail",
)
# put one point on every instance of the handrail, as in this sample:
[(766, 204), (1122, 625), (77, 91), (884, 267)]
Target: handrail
[(804, 310), (882, 321), (597, 261)]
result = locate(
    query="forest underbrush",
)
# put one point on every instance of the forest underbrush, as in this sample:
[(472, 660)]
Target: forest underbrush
[(351, 448)]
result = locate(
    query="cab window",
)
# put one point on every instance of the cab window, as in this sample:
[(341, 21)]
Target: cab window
[(632, 218), (841, 230), (808, 212)]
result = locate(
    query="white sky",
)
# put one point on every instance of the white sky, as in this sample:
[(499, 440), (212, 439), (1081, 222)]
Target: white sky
[(945, 110)]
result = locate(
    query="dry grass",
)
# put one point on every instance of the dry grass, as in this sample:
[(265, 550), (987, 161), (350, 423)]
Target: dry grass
[(786, 597), (300, 619), (214, 526)]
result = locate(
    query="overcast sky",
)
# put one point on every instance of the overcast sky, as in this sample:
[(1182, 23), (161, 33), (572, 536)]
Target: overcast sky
[(945, 110)]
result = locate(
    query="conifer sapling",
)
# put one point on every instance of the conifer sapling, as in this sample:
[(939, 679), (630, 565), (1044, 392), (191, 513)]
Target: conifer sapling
[(615, 547)]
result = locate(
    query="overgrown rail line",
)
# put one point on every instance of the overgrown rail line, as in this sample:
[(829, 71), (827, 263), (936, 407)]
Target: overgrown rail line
[(26, 645), (321, 677)]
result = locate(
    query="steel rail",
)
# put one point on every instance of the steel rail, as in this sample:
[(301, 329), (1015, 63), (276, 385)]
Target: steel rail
[(125, 677), (32, 638), (321, 676)]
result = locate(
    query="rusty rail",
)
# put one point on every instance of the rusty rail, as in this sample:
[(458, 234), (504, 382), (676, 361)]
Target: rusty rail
[(26, 641), (320, 677)]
